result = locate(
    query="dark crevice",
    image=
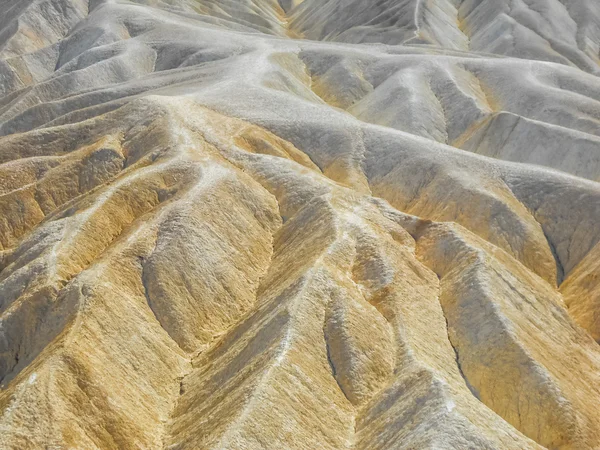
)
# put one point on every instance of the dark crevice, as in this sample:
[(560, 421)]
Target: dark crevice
[(330, 361), (560, 270), (457, 359), (144, 280), (454, 348)]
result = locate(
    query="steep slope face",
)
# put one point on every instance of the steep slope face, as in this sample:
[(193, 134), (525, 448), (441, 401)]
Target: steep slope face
[(259, 224), (561, 31)]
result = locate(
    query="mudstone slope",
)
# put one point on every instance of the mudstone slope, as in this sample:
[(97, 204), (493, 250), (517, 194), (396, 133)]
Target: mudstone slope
[(317, 224)]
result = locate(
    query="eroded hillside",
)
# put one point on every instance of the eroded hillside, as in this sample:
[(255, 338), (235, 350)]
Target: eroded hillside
[(340, 224)]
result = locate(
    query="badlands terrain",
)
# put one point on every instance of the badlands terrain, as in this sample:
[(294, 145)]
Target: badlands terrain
[(318, 224)]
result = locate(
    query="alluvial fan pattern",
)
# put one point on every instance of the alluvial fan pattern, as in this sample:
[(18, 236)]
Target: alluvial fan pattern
[(304, 224)]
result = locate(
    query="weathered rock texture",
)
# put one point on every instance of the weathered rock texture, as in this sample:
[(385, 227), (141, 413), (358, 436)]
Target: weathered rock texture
[(339, 224)]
